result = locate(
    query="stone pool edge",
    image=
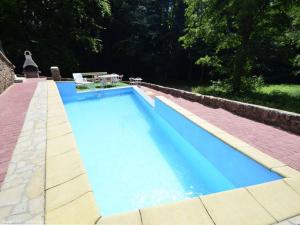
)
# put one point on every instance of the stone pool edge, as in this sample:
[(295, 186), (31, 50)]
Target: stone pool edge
[(69, 197)]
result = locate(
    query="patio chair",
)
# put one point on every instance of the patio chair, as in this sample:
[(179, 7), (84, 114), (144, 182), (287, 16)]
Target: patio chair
[(121, 78), (115, 79), (79, 80), (131, 80)]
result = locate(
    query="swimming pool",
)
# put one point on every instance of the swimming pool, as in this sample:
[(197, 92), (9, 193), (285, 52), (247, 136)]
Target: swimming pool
[(139, 154)]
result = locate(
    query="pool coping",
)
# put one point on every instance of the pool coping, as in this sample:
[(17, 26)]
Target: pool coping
[(69, 196), (70, 200)]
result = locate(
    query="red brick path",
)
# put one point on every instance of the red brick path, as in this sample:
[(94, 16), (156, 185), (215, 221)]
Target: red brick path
[(14, 104), (277, 143)]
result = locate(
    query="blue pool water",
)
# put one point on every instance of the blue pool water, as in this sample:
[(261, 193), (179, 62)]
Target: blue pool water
[(137, 155)]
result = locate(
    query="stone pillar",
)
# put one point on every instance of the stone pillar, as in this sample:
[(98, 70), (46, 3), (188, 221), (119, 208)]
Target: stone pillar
[(55, 73)]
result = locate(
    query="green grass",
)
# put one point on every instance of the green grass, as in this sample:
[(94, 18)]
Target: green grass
[(290, 89), (283, 96), (98, 86)]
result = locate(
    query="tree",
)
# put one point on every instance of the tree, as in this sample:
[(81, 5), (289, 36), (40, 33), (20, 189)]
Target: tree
[(142, 38), (236, 33), (58, 32)]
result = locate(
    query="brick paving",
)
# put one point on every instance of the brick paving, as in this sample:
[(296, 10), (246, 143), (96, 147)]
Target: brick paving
[(14, 103), (22, 196), (277, 143)]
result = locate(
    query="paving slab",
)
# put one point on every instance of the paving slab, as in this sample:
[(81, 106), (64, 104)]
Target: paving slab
[(236, 207), (191, 212), (287, 171), (80, 211), (58, 130), (63, 168), (12, 116), (278, 198), (132, 218), (60, 144), (69, 198), (72, 189), (294, 183), (22, 191)]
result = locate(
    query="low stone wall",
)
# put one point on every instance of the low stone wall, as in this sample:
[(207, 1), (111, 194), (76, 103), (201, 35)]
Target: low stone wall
[(6, 72), (285, 120)]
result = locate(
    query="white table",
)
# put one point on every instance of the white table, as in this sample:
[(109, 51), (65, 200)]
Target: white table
[(136, 81), (113, 78)]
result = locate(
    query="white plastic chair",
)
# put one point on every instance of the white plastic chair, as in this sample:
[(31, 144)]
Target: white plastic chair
[(79, 80)]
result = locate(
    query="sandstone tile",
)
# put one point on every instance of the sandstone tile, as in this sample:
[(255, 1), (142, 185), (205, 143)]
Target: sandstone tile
[(57, 112), (236, 207), (294, 183), (60, 144), (202, 123), (80, 211), (132, 218), (56, 120), (230, 139), (53, 99), (58, 130), (278, 198), (62, 168), (286, 171), (173, 105), (190, 212), (67, 192)]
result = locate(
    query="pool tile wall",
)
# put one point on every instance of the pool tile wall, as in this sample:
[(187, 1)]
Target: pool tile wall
[(162, 103)]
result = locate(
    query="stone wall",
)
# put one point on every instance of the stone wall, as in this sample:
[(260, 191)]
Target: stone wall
[(6, 73), (282, 119)]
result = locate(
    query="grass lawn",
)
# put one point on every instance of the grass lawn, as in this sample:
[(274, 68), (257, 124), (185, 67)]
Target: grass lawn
[(282, 96), (290, 89), (98, 86)]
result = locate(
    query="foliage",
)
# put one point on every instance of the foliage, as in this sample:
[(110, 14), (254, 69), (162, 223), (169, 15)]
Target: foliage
[(161, 41), (58, 32), (142, 38), (241, 38)]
